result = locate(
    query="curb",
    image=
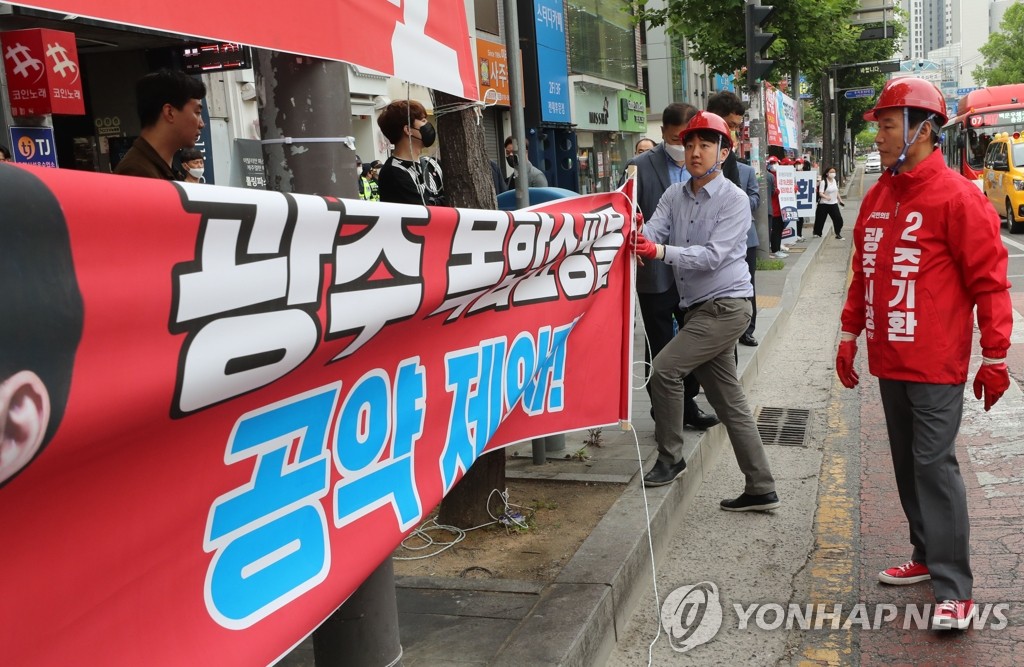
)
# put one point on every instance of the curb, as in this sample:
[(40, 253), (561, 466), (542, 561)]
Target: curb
[(578, 618)]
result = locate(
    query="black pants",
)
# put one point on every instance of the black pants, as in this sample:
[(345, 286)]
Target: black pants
[(775, 227), (657, 311), (832, 211), (923, 421), (752, 265)]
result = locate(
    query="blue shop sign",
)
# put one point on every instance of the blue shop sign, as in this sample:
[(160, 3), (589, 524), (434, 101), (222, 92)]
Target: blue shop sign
[(34, 145), (552, 63)]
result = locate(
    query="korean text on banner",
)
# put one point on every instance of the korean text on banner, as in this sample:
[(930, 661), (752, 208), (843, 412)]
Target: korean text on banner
[(786, 177), (257, 395), (422, 41)]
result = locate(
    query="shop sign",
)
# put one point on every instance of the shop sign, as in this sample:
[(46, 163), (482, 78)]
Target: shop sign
[(552, 62), (250, 155), (43, 73), (632, 111), (492, 59), (34, 145), (595, 108)]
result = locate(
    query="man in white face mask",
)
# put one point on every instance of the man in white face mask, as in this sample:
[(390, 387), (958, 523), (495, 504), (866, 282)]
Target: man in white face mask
[(193, 163), (657, 169)]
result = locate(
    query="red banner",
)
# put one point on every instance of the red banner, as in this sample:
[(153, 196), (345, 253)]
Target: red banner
[(253, 396), (771, 115), (43, 75), (422, 41)]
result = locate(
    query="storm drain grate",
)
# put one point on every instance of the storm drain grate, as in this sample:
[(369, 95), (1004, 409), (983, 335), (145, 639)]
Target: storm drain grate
[(783, 426)]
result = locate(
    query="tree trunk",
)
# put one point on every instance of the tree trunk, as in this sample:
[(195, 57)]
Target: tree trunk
[(467, 184), (467, 170)]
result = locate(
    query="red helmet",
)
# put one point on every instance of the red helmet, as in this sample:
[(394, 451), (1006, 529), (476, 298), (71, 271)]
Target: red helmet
[(786, 161), (910, 92), (772, 160), (705, 120)]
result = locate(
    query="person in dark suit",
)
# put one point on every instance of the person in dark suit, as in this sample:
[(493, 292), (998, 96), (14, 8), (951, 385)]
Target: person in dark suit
[(657, 169), (748, 181), (732, 110)]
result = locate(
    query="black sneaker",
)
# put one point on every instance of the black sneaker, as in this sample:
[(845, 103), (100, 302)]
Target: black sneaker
[(839, 237), (749, 503), (663, 473)]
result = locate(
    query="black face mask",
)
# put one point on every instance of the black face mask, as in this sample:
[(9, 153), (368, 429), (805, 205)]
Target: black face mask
[(427, 135), (512, 160)]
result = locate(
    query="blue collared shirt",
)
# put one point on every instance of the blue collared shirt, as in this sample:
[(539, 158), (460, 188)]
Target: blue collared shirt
[(705, 239), (676, 174)]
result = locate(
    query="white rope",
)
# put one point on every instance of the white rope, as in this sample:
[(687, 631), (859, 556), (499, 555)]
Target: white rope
[(648, 368), (510, 517)]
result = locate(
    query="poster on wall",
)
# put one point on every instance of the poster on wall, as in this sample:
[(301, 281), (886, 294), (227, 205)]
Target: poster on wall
[(284, 376)]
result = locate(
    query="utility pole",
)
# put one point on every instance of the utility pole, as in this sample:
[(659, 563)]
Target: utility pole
[(758, 66), (308, 148), (515, 101)]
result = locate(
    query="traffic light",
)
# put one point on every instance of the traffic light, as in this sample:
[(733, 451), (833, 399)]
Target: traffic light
[(757, 41)]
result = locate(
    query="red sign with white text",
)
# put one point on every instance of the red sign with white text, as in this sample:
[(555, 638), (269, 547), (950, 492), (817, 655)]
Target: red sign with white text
[(233, 404), (43, 74), (421, 41)]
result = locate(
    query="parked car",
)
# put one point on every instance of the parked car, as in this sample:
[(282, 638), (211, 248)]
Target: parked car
[(1003, 178), (873, 163)]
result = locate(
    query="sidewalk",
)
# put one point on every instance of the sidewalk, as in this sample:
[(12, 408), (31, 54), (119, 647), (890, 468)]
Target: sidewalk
[(576, 619)]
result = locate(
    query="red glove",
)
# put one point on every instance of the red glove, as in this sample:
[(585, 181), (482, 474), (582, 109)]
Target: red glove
[(643, 246), (994, 379), (638, 220), (844, 364)]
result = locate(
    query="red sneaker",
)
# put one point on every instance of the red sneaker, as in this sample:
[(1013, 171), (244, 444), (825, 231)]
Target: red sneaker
[(953, 615), (910, 572)]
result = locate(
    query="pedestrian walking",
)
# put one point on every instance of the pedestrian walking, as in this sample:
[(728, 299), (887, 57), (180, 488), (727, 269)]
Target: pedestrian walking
[(775, 222), (657, 170), (700, 230), (927, 252), (170, 107), (408, 176), (829, 201)]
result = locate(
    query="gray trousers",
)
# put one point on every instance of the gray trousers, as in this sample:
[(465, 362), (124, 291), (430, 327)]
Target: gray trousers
[(923, 421), (704, 346)]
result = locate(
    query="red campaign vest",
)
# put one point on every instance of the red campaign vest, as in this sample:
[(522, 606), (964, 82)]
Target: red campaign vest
[(927, 249)]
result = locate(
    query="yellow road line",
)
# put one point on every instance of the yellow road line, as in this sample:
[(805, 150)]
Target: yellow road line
[(832, 562)]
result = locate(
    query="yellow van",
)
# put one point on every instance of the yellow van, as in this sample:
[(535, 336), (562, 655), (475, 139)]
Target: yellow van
[(1003, 178)]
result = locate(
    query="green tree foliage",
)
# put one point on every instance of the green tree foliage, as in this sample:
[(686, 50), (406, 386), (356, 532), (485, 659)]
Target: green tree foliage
[(1004, 51), (811, 33)]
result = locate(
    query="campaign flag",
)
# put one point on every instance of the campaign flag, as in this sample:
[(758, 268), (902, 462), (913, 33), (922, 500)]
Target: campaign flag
[(227, 406), (422, 41), (785, 176), (806, 193), (771, 115)]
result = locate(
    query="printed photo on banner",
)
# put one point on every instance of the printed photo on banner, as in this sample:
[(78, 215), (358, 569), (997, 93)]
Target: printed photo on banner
[(284, 376)]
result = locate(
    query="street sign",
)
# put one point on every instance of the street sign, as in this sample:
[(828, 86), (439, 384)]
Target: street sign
[(960, 92), (854, 93), (880, 67)]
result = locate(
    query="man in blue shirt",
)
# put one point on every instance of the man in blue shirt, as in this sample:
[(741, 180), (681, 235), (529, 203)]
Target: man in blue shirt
[(700, 230), (656, 170)]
